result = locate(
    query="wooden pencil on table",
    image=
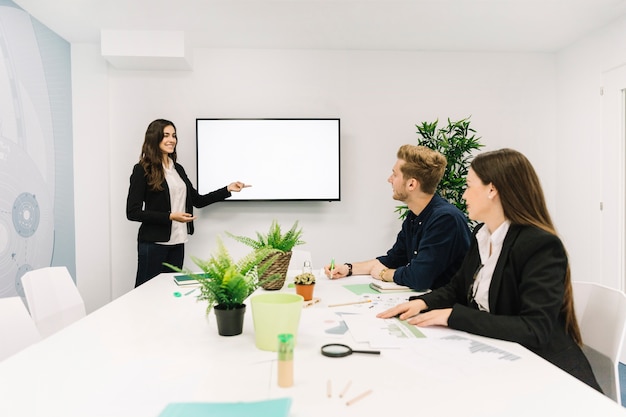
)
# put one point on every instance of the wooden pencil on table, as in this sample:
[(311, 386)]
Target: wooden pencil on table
[(348, 304), (359, 397), (345, 390)]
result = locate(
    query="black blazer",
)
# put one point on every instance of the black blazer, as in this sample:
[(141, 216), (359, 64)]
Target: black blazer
[(154, 215), (525, 299)]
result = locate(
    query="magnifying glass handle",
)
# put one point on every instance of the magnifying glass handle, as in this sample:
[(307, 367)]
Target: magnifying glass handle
[(371, 352)]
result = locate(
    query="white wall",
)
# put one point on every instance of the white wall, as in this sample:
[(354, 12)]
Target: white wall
[(379, 96), (587, 172), (585, 176), (92, 160)]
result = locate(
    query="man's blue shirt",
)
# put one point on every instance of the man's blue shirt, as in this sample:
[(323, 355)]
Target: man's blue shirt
[(430, 247)]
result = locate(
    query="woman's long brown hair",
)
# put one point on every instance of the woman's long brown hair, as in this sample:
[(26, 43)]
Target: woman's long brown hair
[(523, 203), (151, 156)]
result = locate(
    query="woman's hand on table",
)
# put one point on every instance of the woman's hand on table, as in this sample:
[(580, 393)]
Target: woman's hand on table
[(412, 312)]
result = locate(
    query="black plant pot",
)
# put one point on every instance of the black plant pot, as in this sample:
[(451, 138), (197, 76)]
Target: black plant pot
[(229, 321)]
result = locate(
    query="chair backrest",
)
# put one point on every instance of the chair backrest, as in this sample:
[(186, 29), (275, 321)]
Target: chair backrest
[(17, 328), (53, 299), (297, 259), (601, 315)]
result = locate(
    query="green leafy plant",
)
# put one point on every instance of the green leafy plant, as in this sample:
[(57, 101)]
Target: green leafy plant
[(274, 238), (228, 283), (456, 142), (306, 278)]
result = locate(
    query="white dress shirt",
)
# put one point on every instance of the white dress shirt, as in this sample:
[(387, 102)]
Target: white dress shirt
[(489, 248), (178, 196)]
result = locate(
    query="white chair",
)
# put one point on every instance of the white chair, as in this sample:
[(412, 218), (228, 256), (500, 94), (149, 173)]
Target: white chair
[(297, 259), (53, 299), (17, 328), (601, 315)]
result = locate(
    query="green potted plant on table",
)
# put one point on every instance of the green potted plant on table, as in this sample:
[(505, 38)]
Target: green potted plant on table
[(281, 242), (225, 284), (305, 284)]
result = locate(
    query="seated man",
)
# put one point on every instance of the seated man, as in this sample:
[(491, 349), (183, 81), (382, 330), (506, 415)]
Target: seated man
[(434, 237)]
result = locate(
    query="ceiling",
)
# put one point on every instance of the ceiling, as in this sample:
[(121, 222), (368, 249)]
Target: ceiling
[(442, 25)]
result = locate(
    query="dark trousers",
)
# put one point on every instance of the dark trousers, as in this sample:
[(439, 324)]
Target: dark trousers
[(150, 259)]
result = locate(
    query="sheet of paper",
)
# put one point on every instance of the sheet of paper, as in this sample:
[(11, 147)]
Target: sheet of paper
[(379, 301), (472, 357), (380, 333)]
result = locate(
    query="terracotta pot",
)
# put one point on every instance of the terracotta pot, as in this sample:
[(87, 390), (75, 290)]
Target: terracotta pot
[(229, 321), (305, 290)]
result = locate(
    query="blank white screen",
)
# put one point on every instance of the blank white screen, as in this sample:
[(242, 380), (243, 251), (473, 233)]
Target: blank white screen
[(283, 159)]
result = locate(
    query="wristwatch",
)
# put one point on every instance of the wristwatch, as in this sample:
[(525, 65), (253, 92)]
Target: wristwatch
[(382, 274), (349, 265)]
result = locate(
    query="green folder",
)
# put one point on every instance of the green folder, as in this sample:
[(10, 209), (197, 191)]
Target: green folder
[(268, 408)]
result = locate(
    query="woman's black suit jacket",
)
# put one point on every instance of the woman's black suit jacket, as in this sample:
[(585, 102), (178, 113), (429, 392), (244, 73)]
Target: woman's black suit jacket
[(525, 299), (155, 215)]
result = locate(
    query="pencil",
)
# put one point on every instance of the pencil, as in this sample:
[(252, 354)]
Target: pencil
[(345, 389), (358, 397), (348, 304), (310, 302)]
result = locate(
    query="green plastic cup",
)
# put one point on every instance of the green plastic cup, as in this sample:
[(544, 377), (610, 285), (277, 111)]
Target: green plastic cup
[(274, 314)]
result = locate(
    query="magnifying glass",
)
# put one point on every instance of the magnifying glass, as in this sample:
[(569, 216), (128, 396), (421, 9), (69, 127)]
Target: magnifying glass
[(337, 350)]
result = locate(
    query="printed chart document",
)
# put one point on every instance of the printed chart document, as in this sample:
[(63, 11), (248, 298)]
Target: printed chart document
[(381, 333), (476, 358)]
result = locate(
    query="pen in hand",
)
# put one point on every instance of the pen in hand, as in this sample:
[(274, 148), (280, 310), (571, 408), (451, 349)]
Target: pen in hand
[(332, 266)]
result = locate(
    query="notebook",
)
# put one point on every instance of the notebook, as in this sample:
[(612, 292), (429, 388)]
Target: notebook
[(186, 279), (384, 286)]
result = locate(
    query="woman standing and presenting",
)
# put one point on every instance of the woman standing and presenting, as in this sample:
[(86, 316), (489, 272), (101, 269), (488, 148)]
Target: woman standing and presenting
[(514, 283), (162, 198)]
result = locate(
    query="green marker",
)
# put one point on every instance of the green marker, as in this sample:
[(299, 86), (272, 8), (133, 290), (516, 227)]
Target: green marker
[(332, 266)]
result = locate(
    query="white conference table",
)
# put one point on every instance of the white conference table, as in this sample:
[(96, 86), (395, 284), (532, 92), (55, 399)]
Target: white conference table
[(149, 348)]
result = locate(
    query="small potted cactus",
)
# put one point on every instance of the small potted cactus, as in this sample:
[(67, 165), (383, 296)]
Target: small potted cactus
[(305, 283)]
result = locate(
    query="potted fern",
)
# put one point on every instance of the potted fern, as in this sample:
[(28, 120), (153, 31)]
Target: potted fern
[(281, 242), (225, 284)]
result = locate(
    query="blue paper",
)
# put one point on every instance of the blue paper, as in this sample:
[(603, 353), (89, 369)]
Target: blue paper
[(268, 408)]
